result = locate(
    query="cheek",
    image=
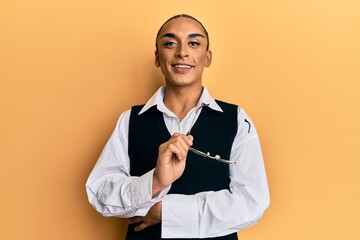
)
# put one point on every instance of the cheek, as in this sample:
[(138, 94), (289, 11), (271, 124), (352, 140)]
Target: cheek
[(164, 69), (201, 61), (163, 59)]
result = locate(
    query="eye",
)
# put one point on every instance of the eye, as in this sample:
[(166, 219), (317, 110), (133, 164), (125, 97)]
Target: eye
[(169, 44), (194, 44)]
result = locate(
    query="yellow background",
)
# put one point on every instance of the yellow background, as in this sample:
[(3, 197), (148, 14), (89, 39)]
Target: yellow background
[(68, 68)]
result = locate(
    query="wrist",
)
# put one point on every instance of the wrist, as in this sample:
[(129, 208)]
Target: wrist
[(156, 185)]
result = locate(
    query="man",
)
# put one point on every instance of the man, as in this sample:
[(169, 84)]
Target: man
[(151, 170)]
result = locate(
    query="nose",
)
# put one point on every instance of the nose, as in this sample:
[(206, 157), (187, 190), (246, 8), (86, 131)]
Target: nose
[(181, 51)]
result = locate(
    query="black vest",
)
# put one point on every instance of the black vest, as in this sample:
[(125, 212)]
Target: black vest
[(213, 132)]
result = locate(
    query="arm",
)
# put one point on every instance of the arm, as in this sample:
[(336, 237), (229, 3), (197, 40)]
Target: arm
[(210, 214), (169, 167), (110, 188)]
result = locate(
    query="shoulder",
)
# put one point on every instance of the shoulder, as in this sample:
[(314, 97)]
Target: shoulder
[(241, 115), (228, 107), (226, 104), (137, 108)]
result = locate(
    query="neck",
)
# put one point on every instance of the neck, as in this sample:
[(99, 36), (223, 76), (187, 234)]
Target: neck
[(181, 100)]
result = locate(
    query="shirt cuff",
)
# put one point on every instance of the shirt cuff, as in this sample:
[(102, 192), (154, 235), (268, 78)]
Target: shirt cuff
[(141, 190), (179, 216)]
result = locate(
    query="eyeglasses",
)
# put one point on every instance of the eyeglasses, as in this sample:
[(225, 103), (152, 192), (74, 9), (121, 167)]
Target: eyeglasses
[(217, 157)]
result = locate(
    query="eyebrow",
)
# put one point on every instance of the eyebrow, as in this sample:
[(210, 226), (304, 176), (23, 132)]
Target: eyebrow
[(191, 35)]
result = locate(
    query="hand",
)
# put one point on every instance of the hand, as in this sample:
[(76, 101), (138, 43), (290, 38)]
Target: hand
[(171, 161), (151, 218)]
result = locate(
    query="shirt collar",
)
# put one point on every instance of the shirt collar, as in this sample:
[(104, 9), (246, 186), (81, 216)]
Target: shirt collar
[(157, 99)]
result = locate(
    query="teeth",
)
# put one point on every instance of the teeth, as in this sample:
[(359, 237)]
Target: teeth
[(182, 66)]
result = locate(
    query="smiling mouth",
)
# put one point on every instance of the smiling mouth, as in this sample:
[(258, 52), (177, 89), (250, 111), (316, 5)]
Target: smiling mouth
[(182, 66)]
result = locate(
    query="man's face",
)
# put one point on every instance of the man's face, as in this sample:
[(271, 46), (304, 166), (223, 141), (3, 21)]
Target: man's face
[(182, 52)]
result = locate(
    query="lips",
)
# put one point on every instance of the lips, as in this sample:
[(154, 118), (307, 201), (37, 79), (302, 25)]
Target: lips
[(182, 68)]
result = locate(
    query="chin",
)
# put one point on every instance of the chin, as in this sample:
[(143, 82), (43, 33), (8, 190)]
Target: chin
[(182, 83)]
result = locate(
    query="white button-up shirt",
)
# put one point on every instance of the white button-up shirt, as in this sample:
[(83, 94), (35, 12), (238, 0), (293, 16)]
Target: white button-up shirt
[(113, 192)]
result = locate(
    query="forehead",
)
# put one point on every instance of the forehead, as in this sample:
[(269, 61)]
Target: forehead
[(182, 26)]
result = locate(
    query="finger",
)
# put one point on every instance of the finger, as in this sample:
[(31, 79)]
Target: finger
[(141, 226), (177, 151), (187, 138), (180, 143), (135, 220), (183, 141), (177, 146)]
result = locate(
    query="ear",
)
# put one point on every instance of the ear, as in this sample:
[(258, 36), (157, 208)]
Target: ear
[(208, 58), (157, 63)]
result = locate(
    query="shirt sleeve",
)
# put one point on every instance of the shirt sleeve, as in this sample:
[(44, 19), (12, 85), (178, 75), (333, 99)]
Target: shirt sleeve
[(213, 214), (110, 188)]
